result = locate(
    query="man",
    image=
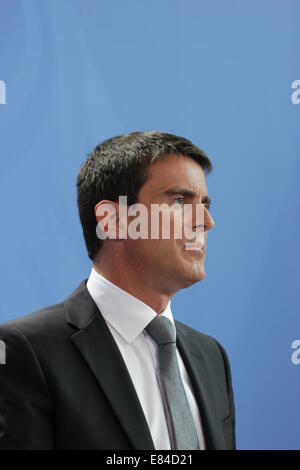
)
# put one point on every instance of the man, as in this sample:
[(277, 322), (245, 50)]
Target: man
[(109, 368)]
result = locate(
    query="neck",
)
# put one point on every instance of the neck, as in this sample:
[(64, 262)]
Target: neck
[(132, 279)]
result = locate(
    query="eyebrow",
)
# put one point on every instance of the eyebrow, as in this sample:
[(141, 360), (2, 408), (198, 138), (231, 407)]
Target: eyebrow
[(188, 193)]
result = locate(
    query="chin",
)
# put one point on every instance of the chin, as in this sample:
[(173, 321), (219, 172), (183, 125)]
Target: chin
[(193, 278), (200, 276)]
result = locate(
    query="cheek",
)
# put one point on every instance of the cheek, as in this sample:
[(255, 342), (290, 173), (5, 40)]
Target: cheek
[(164, 252), (175, 227)]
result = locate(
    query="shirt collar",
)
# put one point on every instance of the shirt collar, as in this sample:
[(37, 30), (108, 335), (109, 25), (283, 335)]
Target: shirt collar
[(125, 313)]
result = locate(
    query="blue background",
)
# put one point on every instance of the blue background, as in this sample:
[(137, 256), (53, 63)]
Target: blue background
[(218, 72)]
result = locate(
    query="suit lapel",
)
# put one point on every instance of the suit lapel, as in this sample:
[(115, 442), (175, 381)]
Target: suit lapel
[(198, 373), (98, 348)]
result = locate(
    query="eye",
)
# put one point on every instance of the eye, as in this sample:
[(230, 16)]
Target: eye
[(206, 204), (180, 199)]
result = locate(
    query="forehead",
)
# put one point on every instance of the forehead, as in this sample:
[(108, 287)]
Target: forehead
[(175, 170)]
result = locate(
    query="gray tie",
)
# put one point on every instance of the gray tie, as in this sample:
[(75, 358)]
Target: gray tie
[(184, 434)]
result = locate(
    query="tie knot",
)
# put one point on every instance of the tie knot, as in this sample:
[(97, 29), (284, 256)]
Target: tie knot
[(161, 330)]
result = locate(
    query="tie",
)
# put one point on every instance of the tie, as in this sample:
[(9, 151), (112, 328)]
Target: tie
[(183, 432)]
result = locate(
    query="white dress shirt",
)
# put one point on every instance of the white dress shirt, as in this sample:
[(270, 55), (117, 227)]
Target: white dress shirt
[(126, 317)]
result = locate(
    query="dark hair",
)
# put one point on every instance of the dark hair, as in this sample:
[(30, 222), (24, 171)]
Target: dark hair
[(118, 166)]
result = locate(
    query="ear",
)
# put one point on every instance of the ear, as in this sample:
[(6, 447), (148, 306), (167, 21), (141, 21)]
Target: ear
[(110, 220)]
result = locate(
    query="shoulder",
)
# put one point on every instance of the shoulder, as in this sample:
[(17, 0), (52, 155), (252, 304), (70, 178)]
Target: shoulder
[(46, 319), (208, 348), (52, 319), (41, 326), (199, 339), (33, 341)]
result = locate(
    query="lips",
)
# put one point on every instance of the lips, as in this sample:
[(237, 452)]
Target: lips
[(194, 246)]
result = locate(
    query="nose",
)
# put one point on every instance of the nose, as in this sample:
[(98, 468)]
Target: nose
[(209, 222)]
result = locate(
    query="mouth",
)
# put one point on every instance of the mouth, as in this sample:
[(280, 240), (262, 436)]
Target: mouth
[(194, 246)]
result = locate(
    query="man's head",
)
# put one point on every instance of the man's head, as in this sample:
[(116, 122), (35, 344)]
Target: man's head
[(149, 168)]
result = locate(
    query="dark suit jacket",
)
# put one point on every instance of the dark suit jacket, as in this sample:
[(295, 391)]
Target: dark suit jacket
[(65, 384)]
